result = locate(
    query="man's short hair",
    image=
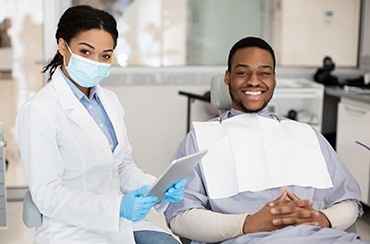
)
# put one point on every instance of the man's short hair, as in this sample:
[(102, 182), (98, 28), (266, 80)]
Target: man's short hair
[(250, 42)]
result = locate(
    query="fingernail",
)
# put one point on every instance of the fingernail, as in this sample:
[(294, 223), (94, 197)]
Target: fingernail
[(273, 211), (275, 222)]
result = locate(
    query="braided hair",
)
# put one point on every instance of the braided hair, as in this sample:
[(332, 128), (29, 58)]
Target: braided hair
[(78, 19)]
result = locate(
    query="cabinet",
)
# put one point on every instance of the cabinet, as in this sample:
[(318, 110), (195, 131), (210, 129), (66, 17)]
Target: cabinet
[(2, 187), (353, 125), (303, 96)]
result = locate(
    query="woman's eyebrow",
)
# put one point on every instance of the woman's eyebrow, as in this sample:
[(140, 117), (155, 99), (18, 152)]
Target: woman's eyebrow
[(86, 44), (92, 47)]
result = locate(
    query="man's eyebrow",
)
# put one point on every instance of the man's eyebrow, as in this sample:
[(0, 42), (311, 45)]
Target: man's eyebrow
[(265, 67), (259, 67), (242, 65), (87, 44)]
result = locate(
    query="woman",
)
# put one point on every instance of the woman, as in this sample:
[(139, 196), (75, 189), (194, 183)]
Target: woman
[(75, 148)]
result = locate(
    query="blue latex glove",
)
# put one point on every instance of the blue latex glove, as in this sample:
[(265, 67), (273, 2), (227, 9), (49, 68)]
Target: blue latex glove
[(176, 192), (134, 206)]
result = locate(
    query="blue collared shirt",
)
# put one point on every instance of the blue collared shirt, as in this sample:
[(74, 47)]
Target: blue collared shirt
[(96, 110)]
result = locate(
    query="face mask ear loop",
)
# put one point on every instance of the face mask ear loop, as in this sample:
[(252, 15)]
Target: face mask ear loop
[(64, 57)]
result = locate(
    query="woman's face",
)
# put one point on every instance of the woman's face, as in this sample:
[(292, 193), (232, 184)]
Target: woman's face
[(94, 44)]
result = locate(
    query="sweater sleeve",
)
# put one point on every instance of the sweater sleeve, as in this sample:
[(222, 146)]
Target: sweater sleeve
[(207, 226), (342, 215)]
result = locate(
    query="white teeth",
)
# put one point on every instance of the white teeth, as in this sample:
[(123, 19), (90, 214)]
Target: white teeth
[(253, 93)]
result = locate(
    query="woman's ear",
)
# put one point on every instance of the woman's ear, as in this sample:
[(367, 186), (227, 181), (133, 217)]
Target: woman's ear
[(62, 47)]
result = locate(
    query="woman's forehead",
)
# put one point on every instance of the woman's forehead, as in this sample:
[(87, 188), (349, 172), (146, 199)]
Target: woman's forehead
[(95, 38)]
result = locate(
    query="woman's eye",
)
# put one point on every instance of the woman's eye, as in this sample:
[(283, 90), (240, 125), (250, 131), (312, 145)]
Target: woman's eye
[(85, 52), (106, 56)]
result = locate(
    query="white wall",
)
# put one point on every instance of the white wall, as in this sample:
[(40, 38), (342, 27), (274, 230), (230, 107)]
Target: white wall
[(365, 40), (336, 27), (155, 117), (155, 113)]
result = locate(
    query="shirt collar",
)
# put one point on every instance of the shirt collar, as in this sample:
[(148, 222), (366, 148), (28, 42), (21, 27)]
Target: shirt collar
[(264, 112)]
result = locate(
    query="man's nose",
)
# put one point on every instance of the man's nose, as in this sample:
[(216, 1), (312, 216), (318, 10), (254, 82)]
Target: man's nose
[(253, 80)]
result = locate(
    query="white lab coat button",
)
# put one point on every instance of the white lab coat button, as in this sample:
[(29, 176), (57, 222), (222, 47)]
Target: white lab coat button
[(90, 106), (101, 125)]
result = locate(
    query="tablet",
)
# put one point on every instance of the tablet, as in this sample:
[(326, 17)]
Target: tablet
[(177, 170)]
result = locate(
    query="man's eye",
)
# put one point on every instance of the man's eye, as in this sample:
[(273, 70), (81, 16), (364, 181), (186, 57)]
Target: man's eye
[(242, 73), (265, 74)]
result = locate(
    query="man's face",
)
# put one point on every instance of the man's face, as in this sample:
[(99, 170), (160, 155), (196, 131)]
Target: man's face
[(251, 80)]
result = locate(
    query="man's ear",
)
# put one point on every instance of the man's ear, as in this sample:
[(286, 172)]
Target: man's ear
[(62, 46), (227, 78)]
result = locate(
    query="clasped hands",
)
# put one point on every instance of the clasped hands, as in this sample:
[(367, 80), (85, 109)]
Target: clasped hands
[(284, 211), (135, 206)]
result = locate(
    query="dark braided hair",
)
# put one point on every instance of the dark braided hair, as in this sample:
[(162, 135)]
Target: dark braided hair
[(76, 20)]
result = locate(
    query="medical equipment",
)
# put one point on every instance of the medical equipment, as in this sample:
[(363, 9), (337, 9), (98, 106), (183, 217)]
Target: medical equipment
[(177, 170)]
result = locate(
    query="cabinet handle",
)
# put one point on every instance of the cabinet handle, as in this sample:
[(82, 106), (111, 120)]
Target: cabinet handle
[(355, 110)]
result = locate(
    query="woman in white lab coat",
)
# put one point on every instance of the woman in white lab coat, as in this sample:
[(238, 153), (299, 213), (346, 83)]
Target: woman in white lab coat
[(75, 149)]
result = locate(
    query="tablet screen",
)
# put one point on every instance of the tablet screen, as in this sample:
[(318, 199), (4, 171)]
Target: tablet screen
[(177, 170)]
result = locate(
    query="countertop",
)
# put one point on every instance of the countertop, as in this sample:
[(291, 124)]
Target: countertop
[(358, 94)]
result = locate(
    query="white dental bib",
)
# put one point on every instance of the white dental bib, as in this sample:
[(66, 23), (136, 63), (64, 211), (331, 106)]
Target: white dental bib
[(249, 152)]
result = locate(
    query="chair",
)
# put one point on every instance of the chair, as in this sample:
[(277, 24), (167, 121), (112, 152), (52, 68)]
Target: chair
[(220, 96), (220, 99), (32, 217)]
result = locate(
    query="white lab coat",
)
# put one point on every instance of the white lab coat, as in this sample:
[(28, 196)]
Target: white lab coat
[(75, 180)]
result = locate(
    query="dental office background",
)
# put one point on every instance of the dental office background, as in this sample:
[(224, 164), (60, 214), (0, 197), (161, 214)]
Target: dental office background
[(167, 46)]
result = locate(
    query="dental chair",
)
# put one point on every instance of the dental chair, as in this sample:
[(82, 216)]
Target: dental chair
[(32, 218), (220, 96)]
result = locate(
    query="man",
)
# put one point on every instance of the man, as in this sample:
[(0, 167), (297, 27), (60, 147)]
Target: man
[(265, 179)]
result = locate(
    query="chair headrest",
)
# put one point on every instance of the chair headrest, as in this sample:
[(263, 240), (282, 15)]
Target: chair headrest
[(220, 96)]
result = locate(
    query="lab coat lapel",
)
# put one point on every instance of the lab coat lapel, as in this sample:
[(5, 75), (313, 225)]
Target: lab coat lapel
[(77, 112), (112, 112)]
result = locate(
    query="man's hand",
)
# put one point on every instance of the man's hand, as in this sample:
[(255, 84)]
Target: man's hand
[(286, 210), (297, 211)]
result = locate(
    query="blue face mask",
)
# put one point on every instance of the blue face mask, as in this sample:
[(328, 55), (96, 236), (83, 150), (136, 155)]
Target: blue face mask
[(85, 72)]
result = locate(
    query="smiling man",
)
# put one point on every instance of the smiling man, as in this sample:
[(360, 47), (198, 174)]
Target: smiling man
[(251, 77), (265, 179)]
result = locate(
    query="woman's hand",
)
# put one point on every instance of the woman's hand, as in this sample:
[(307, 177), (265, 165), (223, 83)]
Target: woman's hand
[(134, 206), (175, 193)]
